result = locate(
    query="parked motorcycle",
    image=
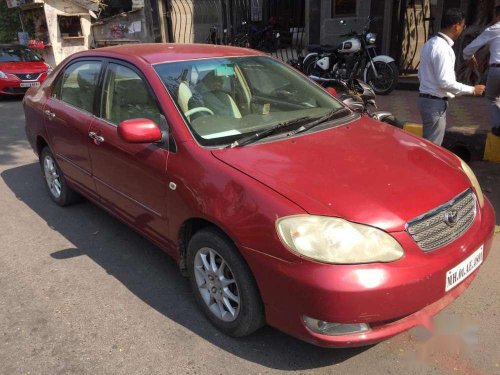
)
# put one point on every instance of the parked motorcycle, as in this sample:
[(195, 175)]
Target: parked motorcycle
[(355, 57), (360, 97)]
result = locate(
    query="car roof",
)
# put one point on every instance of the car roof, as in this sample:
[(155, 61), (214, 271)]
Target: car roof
[(154, 53)]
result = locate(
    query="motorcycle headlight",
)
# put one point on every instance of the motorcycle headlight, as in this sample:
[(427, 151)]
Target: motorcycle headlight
[(3, 75), (371, 38), (473, 180), (337, 241)]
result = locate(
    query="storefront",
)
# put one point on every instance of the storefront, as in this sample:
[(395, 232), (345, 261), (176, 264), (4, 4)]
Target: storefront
[(56, 28)]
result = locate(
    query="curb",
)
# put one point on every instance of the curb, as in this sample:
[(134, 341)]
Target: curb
[(465, 142)]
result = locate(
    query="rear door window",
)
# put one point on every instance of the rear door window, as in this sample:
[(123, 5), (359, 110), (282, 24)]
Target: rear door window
[(77, 85)]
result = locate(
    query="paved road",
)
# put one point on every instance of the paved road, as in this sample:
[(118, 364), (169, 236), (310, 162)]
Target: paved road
[(80, 293)]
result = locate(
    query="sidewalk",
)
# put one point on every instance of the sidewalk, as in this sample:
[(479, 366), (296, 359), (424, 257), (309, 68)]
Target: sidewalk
[(468, 123), (465, 113)]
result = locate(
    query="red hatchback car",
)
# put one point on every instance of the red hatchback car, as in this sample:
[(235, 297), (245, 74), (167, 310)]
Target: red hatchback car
[(282, 205), (20, 69)]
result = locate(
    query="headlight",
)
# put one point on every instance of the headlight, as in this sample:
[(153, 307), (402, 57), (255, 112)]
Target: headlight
[(3, 75), (473, 180), (335, 240), (371, 38)]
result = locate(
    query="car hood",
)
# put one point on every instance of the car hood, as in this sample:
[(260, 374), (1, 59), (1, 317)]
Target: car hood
[(366, 172), (23, 67)]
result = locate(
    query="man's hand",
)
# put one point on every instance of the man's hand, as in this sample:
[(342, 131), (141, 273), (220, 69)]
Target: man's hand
[(479, 90)]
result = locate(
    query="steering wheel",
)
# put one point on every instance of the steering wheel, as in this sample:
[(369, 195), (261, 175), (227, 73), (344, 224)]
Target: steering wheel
[(192, 111)]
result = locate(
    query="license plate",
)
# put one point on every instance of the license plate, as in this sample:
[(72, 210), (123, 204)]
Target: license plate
[(29, 84), (459, 273)]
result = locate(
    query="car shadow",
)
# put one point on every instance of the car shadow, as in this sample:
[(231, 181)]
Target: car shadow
[(154, 277), (12, 135)]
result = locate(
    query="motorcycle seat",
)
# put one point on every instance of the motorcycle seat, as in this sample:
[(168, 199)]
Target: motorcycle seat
[(324, 48)]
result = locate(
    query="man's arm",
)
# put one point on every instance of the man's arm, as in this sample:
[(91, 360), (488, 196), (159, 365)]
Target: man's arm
[(477, 43)]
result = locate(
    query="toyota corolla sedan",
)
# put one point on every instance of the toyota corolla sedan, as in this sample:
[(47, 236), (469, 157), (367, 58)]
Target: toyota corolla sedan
[(281, 205), (20, 69)]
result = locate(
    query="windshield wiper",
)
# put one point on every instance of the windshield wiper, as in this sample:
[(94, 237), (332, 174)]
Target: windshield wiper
[(267, 132), (329, 116)]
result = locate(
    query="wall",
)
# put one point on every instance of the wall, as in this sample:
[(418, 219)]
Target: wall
[(331, 29), (64, 47)]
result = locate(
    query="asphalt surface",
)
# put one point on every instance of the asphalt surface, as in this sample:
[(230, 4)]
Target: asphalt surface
[(80, 293)]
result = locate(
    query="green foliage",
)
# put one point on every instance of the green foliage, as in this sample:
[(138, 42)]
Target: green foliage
[(9, 23)]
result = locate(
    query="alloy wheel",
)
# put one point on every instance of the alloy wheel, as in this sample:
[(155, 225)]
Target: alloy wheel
[(52, 176), (216, 284)]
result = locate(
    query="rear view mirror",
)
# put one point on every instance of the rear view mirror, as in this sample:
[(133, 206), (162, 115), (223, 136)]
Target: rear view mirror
[(140, 130)]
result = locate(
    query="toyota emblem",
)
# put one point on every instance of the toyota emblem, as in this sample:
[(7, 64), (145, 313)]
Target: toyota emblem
[(28, 76), (451, 217)]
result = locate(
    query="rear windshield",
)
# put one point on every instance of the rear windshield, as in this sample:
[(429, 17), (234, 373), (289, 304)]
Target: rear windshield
[(16, 54)]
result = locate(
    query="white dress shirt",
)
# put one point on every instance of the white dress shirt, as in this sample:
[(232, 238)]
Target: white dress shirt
[(491, 37), (437, 69)]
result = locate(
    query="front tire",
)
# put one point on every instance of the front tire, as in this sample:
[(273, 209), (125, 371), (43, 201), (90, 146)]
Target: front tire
[(223, 285), (58, 189), (387, 80)]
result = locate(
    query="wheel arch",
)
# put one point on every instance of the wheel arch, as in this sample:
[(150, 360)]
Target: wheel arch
[(41, 143), (187, 230)]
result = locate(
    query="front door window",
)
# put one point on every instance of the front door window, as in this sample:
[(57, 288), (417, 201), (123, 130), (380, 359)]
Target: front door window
[(126, 96)]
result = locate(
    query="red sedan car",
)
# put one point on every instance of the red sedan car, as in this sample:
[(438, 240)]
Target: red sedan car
[(282, 205), (20, 69)]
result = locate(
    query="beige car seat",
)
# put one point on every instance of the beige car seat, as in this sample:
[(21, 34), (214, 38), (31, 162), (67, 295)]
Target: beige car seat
[(184, 94)]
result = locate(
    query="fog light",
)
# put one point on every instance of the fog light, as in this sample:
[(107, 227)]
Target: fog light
[(334, 329)]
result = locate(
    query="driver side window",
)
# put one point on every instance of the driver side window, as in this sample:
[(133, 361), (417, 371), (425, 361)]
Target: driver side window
[(126, 96)]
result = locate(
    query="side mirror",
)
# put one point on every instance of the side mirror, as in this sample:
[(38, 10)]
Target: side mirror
[(139, 130)]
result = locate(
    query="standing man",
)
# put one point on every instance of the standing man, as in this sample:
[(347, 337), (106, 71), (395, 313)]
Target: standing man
[(438, 81), (490, 37)]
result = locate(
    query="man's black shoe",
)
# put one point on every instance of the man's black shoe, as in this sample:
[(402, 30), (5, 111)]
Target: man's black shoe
[(496, 131)]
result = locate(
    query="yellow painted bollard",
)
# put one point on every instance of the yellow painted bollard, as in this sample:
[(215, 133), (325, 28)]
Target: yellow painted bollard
[(492, 148), (414, 128)]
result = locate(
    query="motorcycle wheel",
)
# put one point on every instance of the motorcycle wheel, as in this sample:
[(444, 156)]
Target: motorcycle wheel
[(388, 77), (310, 67)]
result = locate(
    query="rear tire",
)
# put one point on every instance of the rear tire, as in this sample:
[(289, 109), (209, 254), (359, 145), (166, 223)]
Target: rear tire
[(56, 184), (223, 285)]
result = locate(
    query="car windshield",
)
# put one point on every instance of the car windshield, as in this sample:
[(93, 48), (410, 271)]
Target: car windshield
[(226, 99), (16, 54)]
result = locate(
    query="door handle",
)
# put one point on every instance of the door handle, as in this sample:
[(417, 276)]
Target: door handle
[(49, 114), (97, 138)]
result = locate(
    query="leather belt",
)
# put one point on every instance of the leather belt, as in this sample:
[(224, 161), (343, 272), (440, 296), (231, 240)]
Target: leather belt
[(429, 96), (494, 65)]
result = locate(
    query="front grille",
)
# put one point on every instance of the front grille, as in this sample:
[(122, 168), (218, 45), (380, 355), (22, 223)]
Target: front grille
[(433, 229), (28, 76)]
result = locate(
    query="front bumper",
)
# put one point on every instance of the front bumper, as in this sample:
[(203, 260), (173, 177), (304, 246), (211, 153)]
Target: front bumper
[(390, 297), (12, 84)]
